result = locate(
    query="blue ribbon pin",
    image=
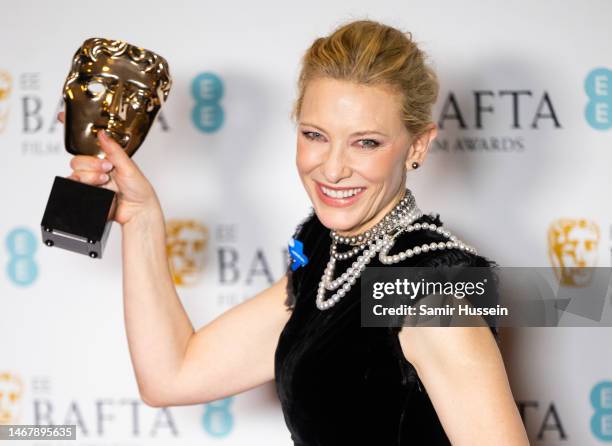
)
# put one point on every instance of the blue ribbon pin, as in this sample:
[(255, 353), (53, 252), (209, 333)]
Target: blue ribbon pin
[(296, 250)]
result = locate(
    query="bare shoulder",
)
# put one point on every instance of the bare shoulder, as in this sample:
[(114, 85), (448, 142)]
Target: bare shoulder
[(442, 345), (465, 378)]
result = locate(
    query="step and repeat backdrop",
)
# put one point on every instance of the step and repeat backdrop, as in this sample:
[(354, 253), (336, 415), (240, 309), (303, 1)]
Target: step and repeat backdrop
[(521, 169)]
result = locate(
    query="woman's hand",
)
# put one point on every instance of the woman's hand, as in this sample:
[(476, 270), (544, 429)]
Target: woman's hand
[(117, 172)]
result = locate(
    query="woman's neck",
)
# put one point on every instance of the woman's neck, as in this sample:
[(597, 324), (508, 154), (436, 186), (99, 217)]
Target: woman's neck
[(377, 218)]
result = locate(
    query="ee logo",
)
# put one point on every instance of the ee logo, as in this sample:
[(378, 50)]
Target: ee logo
[(601, 421), (218, 421), (21, 246), (598, 87), (207, 114)]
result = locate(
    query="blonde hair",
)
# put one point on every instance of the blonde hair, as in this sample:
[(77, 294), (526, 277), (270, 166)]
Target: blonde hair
[(371, 53)]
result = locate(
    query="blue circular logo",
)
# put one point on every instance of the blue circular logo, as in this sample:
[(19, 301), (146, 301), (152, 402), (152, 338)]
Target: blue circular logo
[(601, 401), (21, 246), (598, 87), (218, 421), (207, 114)]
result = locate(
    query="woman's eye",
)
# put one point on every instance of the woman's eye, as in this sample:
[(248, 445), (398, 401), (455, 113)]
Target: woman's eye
[(369, 143), (312, 135)]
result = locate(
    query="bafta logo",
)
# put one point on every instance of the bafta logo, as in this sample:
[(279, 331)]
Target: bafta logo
[(186, 242), (6, 86), (572, 248), (11, 391)]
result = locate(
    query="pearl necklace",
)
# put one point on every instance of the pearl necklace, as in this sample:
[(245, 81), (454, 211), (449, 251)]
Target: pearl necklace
[(390, 221), (380, 240)]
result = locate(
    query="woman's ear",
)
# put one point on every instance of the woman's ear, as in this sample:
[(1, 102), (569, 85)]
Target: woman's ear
[(420, 146)]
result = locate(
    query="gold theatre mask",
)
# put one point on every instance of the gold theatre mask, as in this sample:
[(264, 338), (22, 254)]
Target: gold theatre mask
[(113, 86)]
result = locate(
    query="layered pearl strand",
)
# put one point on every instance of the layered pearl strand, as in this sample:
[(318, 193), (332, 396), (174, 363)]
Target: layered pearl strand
[(379, 239), (400, 211)]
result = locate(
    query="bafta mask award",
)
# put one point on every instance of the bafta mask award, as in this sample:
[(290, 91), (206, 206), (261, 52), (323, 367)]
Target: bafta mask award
[(115, 87)]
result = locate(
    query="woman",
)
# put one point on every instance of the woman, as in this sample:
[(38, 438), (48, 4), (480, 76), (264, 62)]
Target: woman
[(364, 119)]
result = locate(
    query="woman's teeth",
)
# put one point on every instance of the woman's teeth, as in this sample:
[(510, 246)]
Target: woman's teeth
[(340, 193)]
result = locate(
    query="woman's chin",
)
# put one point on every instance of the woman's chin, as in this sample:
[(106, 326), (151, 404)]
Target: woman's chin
[(335, 222)]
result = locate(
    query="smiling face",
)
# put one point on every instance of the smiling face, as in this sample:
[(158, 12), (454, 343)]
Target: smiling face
[(352, 152)]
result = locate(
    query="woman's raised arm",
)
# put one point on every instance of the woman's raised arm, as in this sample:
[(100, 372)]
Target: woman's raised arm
[(173, 363)]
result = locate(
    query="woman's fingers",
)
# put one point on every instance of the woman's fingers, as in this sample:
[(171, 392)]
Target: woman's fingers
[(116, 155), (92, 177), (87, 162), (61, 117)]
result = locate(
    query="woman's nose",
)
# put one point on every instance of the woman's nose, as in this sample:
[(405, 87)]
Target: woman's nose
[(335, 167)]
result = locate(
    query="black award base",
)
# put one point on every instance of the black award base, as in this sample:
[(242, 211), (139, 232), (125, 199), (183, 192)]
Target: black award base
[(77, 217)]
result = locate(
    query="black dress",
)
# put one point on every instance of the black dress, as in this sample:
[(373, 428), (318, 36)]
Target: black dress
[(341, 384)]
